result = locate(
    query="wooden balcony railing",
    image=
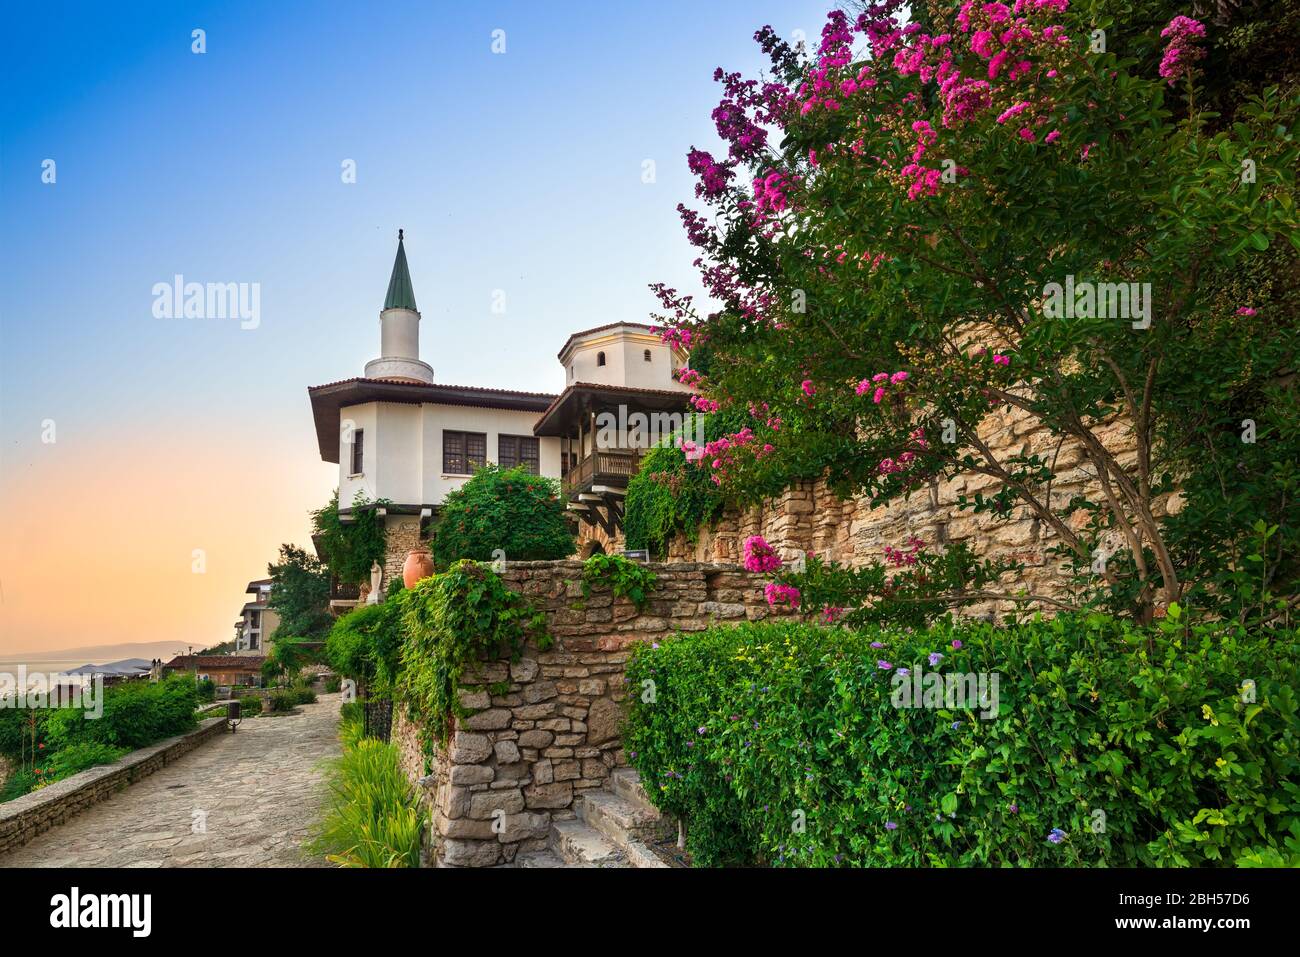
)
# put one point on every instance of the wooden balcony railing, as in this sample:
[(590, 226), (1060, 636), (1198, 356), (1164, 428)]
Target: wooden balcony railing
[(602, 467)]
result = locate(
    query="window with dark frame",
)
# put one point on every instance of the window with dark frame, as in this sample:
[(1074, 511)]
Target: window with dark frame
[(600, 358), (463, 452), (647, 355), (515, 450), (358, 451)]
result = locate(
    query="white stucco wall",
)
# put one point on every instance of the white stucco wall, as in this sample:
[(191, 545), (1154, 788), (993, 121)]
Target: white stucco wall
[(625, 363), (403, 448)]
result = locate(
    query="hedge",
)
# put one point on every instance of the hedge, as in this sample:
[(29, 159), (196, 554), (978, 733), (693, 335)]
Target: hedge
[(778, 744)]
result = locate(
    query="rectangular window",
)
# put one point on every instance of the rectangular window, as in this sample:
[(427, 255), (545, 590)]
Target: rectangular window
[(358, 451), (463, 452), (515, 450)]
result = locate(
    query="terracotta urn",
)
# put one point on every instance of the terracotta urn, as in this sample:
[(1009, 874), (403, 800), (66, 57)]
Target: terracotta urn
[(419, 564)]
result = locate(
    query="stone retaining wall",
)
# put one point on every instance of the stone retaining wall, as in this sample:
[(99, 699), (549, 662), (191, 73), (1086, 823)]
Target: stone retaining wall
[(23, 818), (520, 759), (809, 517)]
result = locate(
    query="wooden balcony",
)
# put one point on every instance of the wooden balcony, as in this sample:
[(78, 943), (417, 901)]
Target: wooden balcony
[(604, 467)]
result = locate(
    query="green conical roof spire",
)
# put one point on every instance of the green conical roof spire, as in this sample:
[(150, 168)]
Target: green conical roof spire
[(401, 295)]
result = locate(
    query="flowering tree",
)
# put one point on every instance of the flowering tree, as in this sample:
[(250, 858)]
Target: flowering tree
[(982, 211)]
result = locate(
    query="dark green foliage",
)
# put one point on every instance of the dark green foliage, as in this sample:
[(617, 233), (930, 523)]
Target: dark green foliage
[(366, 643), (250, 706), (78, 757), (207, 690), (738, 729), (300, 595), (68, 740), (136, 714), (625, 578), (452, 619), (351, 547), (502, 511), (283, 700)]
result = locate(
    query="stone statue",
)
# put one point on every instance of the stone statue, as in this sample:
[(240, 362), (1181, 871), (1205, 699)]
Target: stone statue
[(376, 579)]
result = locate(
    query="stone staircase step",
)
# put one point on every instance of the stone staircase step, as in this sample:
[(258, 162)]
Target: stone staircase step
[(626, 783), (622, 820), (581, 845), (538, 859)]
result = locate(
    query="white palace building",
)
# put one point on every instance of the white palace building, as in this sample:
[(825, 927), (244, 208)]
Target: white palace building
[(399, 435)]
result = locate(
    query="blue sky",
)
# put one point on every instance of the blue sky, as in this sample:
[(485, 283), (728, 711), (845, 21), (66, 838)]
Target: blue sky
[(519, 172)]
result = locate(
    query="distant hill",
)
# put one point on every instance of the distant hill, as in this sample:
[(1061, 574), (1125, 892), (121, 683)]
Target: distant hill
[(102, 653)]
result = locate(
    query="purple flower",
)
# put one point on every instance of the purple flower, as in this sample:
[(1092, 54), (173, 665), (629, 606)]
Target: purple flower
[(1013, 808), (935, 658), (904, 672), (700, 729), (877, 644), (883, 665), (891, 826), (956, 642), (1057, 835)]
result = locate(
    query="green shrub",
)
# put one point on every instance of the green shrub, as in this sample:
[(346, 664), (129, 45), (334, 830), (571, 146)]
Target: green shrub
[(511, 510), (333, 683), (303, 693), (366, 643), (78, 757), (668, 495), (375, 817), (19, 783), (136, 714), (625, 578), (250, 706), (283, 700), (351, 723), (452, 619), (207, 690), (351, 547), (747, 730)]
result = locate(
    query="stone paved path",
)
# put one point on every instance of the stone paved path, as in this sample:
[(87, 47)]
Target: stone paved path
[(261, 789)]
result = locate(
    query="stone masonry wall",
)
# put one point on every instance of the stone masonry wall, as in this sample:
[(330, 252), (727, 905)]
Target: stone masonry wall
[(401, 535), (519, 760), (808, 517)]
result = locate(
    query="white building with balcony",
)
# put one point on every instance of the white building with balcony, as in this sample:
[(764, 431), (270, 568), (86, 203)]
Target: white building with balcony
[(398, 434)]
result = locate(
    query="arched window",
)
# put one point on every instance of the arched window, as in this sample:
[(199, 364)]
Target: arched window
[(647, 355), (600, 358)]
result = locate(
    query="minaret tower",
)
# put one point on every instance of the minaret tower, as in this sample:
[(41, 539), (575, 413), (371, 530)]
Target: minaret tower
[(399, 329)]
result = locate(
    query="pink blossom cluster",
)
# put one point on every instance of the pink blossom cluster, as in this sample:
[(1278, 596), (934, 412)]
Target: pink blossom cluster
[(698, 232), (691, 378), (770, 193), (832, 614), (781, 595), (923, 180), (904, 557), (704, 404), (905, 459), (713, 176), (760, 556), (1183, 33), (879, 385)]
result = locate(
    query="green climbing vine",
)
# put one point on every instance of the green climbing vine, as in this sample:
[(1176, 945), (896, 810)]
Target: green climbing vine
[(451, 620), (625, 578)]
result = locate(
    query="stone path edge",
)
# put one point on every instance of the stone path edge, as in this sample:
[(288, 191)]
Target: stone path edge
[(24, 818)]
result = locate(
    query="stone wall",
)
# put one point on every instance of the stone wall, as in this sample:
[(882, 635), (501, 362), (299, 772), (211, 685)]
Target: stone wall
[(518, 761), (23, 818), (809, 517), (401, 535)]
